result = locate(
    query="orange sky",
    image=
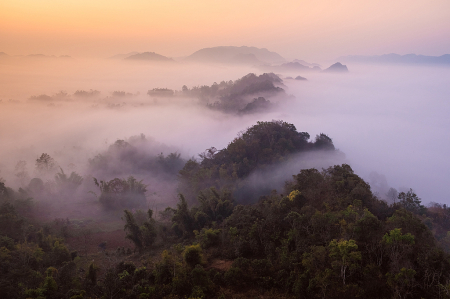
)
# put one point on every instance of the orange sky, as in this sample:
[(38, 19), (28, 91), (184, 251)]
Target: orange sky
[(313, 30)]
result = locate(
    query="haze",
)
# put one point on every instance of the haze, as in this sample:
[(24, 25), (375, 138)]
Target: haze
[(391, 120), (311, 30)]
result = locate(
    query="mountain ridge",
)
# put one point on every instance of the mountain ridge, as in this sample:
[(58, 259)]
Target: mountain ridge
[(233, 54)]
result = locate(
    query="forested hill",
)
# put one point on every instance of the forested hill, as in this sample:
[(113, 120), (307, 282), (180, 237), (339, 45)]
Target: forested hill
[(241, 96), (323, 235), (259, 147)]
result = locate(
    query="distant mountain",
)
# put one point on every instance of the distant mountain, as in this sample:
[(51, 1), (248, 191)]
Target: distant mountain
[(337, 68), (239, 55), (45, 56), (149, 56), (396, 58), (41, 56), (302, 62), (33, 56), (123, 56), (294, 66)]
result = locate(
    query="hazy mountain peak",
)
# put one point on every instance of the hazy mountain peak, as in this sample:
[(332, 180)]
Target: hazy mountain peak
[(123, 56), (337, 68), (233, 54), (302, 62), (148, 56)]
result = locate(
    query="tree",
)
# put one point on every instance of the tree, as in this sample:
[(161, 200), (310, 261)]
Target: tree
[(68, 184), (193, 255), (134, 233), (411, 202), (142, 236), (149, 230), (398, 246), (45, 164), (402, 282), (315, 263), (182, 220), (323, 142), (345, 257), (121, 193)]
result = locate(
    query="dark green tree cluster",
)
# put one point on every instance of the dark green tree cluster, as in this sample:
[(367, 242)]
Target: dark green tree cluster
[(259, 147), (213, 207), (330, 237), (143, 234), (33, 263)]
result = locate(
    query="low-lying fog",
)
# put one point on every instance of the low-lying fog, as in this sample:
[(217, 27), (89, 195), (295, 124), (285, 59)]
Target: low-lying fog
[(390, 120)]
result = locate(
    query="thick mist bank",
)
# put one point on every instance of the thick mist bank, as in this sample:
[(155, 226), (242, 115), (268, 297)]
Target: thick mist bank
[(388, 119), (391, 120)]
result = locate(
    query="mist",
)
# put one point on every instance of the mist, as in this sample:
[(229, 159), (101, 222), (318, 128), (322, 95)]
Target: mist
[(387, 119)]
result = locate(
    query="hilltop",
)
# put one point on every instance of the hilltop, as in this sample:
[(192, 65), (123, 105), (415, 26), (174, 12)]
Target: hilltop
[(240, 55), (150, 56)]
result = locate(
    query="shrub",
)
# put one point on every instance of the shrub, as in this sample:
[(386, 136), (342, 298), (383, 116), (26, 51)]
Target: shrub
[(193, 255)]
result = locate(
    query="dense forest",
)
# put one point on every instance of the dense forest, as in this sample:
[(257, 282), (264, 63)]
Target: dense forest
[(324, 234)]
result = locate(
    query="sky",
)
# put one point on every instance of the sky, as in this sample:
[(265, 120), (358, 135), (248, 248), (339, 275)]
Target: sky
[(314, 30)]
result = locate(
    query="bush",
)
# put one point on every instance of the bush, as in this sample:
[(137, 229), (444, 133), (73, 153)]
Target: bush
[(193, 255)]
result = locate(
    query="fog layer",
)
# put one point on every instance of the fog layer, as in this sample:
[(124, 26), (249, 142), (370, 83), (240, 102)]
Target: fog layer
[(391, 120)]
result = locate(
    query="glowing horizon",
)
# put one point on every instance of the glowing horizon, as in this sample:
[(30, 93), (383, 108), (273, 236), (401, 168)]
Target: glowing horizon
[(294, 29)]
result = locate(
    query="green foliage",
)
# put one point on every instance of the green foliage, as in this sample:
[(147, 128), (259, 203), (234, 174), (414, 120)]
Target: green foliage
[(323, 142), (11, 225), (327, 237), (215, 205), (411, 202), (164, 271), (401, 282), (344, 257), (193, 255), (209, 237), (142, 236), (183, 222), (260, 146), (395, 238)]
